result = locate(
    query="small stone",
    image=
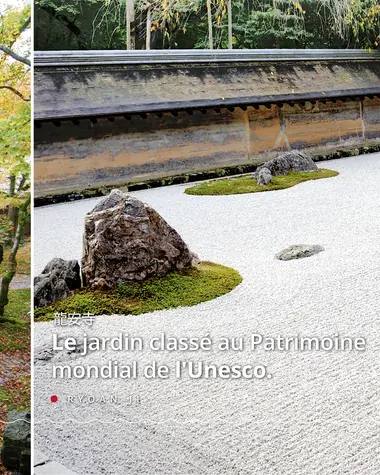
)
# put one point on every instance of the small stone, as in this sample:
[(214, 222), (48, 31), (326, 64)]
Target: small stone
[(195, 259), (299, 251), (264, 176), (56, 282)]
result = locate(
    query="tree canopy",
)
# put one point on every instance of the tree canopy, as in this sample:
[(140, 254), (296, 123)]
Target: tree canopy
[(156, 24), (15, 92), (15, 137)]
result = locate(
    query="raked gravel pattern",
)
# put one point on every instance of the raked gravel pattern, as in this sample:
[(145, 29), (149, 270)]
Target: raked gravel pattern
[(318, 414)]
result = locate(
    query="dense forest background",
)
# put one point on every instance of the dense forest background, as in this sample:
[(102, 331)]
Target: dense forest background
[(15, 112), (15, 251), (187, 24)]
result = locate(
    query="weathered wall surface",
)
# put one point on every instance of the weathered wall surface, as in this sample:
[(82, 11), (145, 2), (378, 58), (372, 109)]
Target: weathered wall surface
[(125, 88), (109, 118), (75, 155)]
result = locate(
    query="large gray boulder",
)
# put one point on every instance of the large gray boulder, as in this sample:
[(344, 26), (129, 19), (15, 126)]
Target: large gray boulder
[(294, 161), (126, 240), (56, 282), (15, 451)]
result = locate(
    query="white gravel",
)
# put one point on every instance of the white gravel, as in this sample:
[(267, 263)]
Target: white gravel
[(319, 414)]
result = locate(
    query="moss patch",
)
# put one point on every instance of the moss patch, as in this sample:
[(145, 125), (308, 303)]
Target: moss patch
[(15, 325), (23, 260), (14, 357), (247, 184), (178, 289)]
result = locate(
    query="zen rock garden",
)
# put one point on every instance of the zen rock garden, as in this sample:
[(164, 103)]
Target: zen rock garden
[(294, 161), (298, 267), (284, 171), (125, 242)]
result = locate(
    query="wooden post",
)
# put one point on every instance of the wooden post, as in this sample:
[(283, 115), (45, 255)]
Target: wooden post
[(129, 18), (229, 10), (210, 37), (148, 27)]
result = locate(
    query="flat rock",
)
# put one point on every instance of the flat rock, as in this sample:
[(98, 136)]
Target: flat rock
[(126, 240), (56, 282), (299, 251)]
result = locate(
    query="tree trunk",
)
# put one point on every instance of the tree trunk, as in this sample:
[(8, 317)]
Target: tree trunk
[(12, 211), (229, 10), (129, 18), (209, 17), (148, 27), (12, 263), (13, 218)]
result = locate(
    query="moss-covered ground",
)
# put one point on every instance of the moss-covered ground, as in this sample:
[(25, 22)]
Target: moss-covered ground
[(177, 289), (247, 184), (14, 357)]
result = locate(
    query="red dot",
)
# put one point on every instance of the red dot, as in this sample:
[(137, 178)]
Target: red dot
[(54, 399)]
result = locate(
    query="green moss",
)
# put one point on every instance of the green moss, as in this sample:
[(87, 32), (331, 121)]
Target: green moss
[(4, 397), (247, 184), (15, 325), (23, 260), (178, 289)]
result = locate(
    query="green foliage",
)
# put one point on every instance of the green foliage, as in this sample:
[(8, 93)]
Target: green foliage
[(15, 177), (272, 26), (15, 142), (177, 289), (100, 24), (5, 231), (15, 103), (77, 24), (363, 18), (247, 184), (14, 133)]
